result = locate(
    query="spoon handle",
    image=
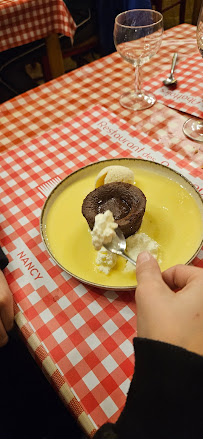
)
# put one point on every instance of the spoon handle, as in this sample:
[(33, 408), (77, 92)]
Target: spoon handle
[(173, 62), (128, 258)]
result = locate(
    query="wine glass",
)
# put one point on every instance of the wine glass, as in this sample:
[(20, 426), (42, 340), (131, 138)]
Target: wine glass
[(193, 128), (137, 37)]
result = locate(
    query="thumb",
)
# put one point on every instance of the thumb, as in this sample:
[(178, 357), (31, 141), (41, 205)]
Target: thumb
[(147, 269)]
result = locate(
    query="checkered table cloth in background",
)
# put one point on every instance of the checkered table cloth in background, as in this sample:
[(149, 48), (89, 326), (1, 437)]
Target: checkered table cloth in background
[(80, 336), (24, 21), (187, 95), (102, 81)]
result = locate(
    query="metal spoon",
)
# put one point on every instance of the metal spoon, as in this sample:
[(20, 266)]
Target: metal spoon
[(118, 246), (171, 80)]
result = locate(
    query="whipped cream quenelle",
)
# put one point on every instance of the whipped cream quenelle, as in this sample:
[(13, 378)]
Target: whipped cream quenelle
[(111, 174)]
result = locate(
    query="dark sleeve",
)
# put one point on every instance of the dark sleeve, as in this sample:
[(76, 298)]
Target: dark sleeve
[(165, 399), (3, 259)]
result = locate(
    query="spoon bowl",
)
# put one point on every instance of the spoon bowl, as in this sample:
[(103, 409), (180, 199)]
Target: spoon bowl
[(118, 246), (171, 80)]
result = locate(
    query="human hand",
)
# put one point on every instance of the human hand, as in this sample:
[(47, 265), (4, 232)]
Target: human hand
[(6, 310), (162, 314)]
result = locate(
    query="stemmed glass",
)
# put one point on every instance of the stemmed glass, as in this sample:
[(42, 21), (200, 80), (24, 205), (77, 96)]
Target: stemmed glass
[(137, 37), (193, 128)]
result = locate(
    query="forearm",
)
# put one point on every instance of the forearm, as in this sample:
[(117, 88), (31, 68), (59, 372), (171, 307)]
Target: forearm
[(166, 395)]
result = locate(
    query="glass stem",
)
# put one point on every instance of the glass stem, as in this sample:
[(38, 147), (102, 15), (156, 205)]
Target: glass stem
[(138, 80)]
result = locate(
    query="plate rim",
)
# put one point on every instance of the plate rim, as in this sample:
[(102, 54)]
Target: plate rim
[(92, 284)]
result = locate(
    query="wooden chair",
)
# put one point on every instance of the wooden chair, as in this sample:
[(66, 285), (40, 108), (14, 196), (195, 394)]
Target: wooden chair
[(85, 40), (158, 5), (196, 11)]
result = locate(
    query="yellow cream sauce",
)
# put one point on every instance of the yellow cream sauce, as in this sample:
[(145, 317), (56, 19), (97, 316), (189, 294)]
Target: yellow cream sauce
[(172, 218)]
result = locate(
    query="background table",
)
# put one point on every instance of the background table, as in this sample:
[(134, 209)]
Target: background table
[(24, 21), (34, 114), (102, 82)]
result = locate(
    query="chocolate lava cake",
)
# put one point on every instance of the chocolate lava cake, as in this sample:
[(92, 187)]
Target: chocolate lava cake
[(125, 201)]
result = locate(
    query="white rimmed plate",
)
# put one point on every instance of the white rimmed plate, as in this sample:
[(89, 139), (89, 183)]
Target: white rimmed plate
[(173, 218)]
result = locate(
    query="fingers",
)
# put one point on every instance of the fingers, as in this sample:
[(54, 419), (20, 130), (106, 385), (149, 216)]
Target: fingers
[(151, 295), (180, 275), (147, 268), (7, 313), (6, 310), (3, 335), (149, 278)]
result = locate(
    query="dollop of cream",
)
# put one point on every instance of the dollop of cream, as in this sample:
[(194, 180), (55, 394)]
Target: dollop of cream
[(138, 243), (105, 260), (104, 229)]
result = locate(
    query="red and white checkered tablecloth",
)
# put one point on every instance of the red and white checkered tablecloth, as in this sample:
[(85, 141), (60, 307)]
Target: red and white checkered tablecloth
[(100, 349), (24, 21), (187, 95), (80, 336), (102, 81)]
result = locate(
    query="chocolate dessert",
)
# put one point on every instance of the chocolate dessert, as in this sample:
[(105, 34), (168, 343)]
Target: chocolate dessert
[(125, 201)]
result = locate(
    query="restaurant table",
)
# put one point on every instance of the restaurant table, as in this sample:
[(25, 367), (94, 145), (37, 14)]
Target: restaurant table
[(81, 336), (25, 21)]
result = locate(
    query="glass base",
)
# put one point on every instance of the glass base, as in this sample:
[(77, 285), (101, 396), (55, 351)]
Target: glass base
[(140, 101), (194, 129)]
